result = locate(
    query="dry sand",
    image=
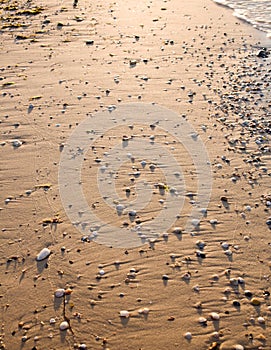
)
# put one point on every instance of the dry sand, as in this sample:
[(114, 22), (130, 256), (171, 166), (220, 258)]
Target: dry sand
[(61, 62)]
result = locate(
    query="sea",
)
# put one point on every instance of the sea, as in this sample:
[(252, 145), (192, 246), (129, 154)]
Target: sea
[(255, 12)]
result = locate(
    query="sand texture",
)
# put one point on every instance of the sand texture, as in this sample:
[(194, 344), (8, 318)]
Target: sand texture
[(135, 177)]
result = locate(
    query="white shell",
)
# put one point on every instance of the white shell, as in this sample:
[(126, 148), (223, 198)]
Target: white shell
[(59, 293), (63, 326), (124, 313), (43, 254)]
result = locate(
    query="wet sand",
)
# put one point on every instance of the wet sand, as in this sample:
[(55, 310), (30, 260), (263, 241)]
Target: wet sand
[(203, 289)]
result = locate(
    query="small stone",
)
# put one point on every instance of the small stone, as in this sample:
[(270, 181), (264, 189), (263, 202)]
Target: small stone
[(188, 335), (214, 316), (43, 254), (64, 325), (261, 320), (59, 293), (236, 303), (144, 311), (124, 313), (238, 347), (202, 320), (255, 302), (177, 230), (16, 143), (248, 293)]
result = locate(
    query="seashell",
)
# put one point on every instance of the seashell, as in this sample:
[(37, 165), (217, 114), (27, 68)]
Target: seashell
[(59, 293), (214, 316), (64, 325), (188, 335), (124, 313), (52, 321), (43, 254)]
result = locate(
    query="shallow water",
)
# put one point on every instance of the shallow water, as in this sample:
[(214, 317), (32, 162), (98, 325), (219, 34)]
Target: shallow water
[(255, 12)]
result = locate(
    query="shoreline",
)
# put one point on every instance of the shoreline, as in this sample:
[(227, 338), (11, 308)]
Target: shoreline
[(66, 64)]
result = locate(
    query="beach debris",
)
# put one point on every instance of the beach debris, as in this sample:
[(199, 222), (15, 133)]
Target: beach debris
[(64, 325), (43, 254)]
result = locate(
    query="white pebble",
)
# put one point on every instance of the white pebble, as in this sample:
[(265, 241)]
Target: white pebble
[(124, 313), (59, 293), (202, 320), (188, 335), (214, 316), (238, 347), (225, 245), (63, 326), (43, 254)]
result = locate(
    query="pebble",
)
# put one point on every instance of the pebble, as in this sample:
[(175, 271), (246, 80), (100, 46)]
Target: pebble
[(16, 143), (177, 230), (124, 313), (255, 302), (238, 347), (64, 325), (144, 311), (43, 254), (188, 335), (261, 320), (202, 320), (59, 293), (214, 316)]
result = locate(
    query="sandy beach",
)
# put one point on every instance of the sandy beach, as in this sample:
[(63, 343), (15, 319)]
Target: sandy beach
[(135, 201)]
